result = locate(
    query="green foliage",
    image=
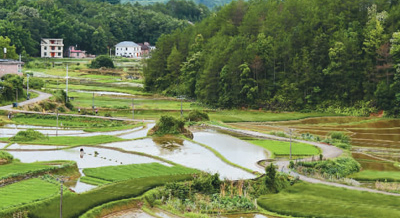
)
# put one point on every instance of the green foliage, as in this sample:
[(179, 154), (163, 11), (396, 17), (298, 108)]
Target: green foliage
[(35, 83), (92, 25), (5, 42), (340, 167), (72, 140), (28, 135), (270, 175), (5, 157), (169, 125), (102, 61), (331, 202), (196, 116), (252, 55), (9, 85), (374, 175), (340, 136)]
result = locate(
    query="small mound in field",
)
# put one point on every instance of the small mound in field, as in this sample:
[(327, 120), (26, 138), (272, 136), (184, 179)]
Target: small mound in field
[(168, 125)]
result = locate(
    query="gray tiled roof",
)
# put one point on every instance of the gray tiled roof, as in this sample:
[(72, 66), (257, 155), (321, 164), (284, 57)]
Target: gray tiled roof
[(127, 44)]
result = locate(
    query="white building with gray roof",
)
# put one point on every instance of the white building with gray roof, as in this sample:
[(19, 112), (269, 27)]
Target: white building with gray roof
[(128, 49)]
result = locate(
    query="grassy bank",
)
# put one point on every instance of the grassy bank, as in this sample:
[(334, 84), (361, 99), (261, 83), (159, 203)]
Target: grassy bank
[(373, 175), (279, 148), (16, 169), (75, 140), (314, 200)]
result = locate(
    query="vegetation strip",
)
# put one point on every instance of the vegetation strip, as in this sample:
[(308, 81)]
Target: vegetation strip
[(331, 201)]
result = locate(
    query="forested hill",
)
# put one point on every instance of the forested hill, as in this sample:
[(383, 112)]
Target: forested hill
[(286, 55), (90, 24)]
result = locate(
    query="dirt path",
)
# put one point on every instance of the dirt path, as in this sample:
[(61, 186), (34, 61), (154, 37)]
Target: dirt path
[(42, 96), (328, 151)]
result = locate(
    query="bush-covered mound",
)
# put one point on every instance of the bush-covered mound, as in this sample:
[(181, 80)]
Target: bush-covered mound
[(341, 167), (102, 61), (5, 157), (28, 135), (197, 116), (169, 125)]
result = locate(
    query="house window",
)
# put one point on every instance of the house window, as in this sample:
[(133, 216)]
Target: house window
[(45, 47), (126, 48), (59, 48), (59, 53), (45, 54), (77, 54)]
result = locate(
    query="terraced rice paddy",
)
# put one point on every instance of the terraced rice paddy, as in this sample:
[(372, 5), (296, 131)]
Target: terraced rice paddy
[(133, 171), (26, 192), (311, 200), (11, 169)]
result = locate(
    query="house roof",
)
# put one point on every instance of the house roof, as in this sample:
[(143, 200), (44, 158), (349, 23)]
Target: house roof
[(127, 44), (9, 62)]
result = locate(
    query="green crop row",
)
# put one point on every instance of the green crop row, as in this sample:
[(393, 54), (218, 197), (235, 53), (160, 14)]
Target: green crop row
[(25, 192), (280, 148), (125, 172), (315, 200), (18, 169)]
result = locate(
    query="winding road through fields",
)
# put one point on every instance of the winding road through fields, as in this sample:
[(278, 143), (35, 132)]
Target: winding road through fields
[(328, 151)]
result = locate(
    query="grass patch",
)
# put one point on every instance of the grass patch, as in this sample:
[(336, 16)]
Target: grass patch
[(93, 181), (112, 192), (67, 121), (314, 200), (131, 90), (228, 116), (25, 192), (373, 175), (280, 148), (133, 171), (73, 141)]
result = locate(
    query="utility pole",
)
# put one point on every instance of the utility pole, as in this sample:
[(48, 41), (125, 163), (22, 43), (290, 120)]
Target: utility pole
[(133, 110), (27, 86), (66, 94), (61, 194), (93, 103), (181, 107), (290, 133), (57, 124)]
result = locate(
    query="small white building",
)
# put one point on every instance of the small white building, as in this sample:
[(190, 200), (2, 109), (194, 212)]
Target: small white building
[(52, 48), (128, 49)]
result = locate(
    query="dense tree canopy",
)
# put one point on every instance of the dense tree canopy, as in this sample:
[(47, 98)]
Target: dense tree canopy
[(91, 24), (286, 55)]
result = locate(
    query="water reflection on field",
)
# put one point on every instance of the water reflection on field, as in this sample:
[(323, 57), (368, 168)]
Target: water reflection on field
[(93, 157), (234, 149), (188, 154)]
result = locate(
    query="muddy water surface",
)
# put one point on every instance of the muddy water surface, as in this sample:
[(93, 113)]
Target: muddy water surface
[(188, 154), (234, 149)]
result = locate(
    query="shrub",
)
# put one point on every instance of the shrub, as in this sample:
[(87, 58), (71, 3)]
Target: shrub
[(28, 135), (197, 116), (169, 125), (341, 167), (102, 61), (340, 136), (35, 83), (270, 175), (5, 157)]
